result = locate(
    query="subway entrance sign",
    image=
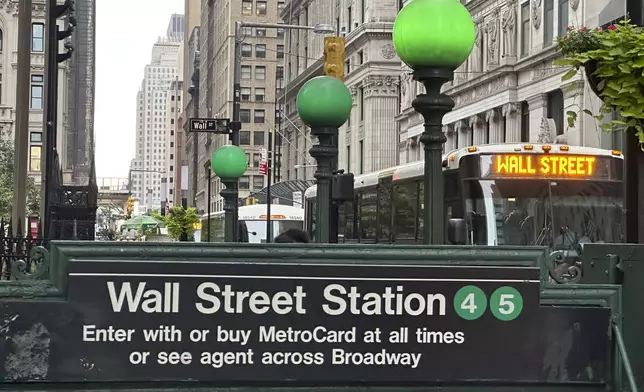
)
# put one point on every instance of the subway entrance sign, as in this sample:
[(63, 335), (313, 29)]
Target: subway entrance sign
[(274, 321)]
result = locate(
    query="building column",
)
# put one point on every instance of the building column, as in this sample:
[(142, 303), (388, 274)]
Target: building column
[(381, 103), (538, 111), (493, 118), (573, 101), (463, 130), (477, 123), (512, 122)]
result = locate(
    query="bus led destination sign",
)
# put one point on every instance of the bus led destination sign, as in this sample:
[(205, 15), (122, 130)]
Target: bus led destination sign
[(546, 165)]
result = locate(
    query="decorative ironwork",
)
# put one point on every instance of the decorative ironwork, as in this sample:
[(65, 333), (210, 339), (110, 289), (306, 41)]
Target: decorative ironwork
[(564, 267), (20, 251), (35, 267)]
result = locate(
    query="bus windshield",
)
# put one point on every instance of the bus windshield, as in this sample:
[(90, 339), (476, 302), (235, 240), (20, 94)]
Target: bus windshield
[(257, 228), (559, 214)]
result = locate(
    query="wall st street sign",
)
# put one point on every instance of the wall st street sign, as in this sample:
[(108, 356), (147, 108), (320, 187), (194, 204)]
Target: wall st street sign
[(210, 125), (313, 324)]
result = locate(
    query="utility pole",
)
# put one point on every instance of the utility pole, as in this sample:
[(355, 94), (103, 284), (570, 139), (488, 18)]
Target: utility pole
[(21, 150), (52, 59)]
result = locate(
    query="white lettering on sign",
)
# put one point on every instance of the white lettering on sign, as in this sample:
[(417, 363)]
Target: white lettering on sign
[(382, 357), (150, 300), (389, 302), (257, 302)]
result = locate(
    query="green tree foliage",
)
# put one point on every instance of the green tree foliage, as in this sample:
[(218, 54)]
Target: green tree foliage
[(7, 182), (179, 221)]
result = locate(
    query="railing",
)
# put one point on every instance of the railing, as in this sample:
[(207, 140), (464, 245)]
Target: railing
[(107, 184), (18, 247)]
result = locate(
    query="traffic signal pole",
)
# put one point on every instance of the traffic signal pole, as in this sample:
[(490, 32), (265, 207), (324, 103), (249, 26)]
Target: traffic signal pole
[(334, 56)]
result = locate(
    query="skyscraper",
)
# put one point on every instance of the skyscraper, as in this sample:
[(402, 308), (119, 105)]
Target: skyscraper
[(149, 168)]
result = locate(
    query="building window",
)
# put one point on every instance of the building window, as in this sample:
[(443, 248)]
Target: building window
[(246, 72), (246, 50), (35, 153), (244, 137), (1, 40), (563, 17), (244, 183), (280, 7), (37, 37), (259, 116), (279, 72), (256, 159), (280, 51), (244, 115), (280, 33), (348, 159), (525, 29), (258, 138), (260, 72), (245, 94), (247, 7), (548, 22), (36, 92), (35, 137), (555, 109), (261, 7), (525, 122), (258, 182), (260, 51), (260, 93)]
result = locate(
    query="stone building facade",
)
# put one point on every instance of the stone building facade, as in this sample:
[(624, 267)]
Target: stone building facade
[(368, 140), (509, 89)]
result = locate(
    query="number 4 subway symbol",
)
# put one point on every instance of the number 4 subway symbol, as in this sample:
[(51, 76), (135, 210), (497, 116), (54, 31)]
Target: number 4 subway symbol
[(506, 303)]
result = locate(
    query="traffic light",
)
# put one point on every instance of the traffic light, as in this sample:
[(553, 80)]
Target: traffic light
[(334, 57), (56, 35), (130, 206)]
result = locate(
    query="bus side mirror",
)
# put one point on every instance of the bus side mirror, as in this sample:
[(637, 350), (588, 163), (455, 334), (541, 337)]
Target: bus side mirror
[(457, 231)]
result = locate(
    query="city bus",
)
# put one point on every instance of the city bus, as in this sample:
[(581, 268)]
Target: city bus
[(252, 222), (504, 194)]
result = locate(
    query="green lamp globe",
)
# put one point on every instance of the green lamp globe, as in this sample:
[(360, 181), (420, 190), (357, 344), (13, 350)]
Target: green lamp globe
[(229, 162), (437, 33), (324, 101)]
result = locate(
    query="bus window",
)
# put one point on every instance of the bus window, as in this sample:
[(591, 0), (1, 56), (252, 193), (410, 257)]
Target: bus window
[(368, 215), (349, 221), (385, 188), (405, 211)]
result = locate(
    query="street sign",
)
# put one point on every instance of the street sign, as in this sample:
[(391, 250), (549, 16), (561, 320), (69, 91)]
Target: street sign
[(253, 322), (210, 125), (263, 168)]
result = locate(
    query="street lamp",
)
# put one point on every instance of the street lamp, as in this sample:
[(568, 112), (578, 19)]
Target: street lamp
[(208, 169), (229, 163), (433, 37), (324, 104)]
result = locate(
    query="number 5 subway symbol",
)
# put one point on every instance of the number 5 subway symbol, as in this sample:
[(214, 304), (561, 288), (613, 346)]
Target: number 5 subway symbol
[(506, 303)]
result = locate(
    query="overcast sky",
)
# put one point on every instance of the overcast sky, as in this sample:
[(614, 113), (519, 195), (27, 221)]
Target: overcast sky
[(124, 39)]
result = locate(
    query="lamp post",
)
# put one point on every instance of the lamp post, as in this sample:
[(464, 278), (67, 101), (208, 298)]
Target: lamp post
[(229, 163), (208, 168), (324, 104), (433, 37)]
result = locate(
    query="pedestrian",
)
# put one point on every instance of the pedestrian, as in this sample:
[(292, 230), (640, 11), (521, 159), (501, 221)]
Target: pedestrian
[(292, 236)]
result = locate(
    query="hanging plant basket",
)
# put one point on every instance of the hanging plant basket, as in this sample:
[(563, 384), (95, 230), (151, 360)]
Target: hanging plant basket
[(593, 80), (617, 54)]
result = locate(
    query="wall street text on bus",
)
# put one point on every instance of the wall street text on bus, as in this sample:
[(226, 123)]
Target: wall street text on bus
[(547, 165)]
